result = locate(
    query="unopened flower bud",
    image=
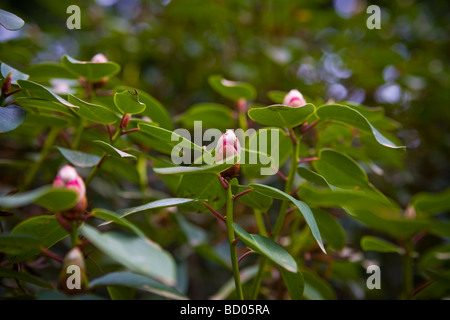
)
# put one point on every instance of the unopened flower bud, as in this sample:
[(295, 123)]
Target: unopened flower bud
[(6, 83), (294, 99), (68, 178), (125, 120), (72, 278), (99, 58), (227, 147)]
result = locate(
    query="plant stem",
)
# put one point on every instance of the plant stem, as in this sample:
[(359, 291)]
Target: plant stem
[(74, 239), (94, 170), (408, 272), (260, 222), (44, 152), (231, 240), (78, 134), (281, 215)]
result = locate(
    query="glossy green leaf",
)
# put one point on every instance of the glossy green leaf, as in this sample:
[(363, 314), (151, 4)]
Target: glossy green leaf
[(112, 151), (340, 170), (281, 116), (331, 231), (78, 158), (15, 74), (204, 187), (267, 248), (50, 198), (216, 168), (252, 199), (370, 243), (295, 283), (48, 70), (276, 96), (138, 254), (43, 105), (314, 177), (39, 91), (93, 112), (431, 203), (128, 102), (45, 228), (232, 89), (16, 243), (111, 216), (157, 204), (211, 115), (11, 117), (170, 142), (10, 21), (304, 209), (91, 71), (437, 257), (346, 115), (137, 281)]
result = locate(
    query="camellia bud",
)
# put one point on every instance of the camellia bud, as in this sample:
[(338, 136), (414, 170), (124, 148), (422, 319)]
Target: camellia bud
[(68, 178), (72, 278), (6, 83), (294, 99), (227, 147), (99, 58)]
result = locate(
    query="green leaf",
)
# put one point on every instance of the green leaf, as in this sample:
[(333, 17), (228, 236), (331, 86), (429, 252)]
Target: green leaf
[(112, 151), (11, 117), (138, 254), (137, 281), (281, 116), (169, 142), (304, 209), (267, 248), (111, 216), (128, 102), (43, 105), (294, 282), (331, 231), (205, 186), (314, 177), (276, 96), (42, 92), (154, 109), (48, 70), (93, 112), (10, 21), (157, 204), (78, 158), (428, 204), (16, 243), (353, 118), (340, 170), (50, 198), (91, 71), (252, 199), (25, 277), (231, 89), (216, 168), (211, 115), (46, 229), (15, 74), (369, 243)]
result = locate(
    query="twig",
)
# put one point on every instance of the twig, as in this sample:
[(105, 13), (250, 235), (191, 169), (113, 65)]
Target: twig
[(240, 194), (217, 214), (245, 254)]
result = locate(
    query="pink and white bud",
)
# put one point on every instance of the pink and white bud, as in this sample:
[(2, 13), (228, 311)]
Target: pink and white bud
[(294, 99), (68, 178), (99, 58), (227, 146)]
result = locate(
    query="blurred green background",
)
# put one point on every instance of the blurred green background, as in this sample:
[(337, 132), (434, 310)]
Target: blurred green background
[(323, 48)]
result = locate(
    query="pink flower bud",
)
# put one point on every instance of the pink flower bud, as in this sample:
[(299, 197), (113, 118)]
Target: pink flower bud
[(99, 58), (294, 99), (227, 146), (68, 178)]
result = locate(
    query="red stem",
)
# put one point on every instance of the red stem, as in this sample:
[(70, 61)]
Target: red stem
[(242, 193), (217, 214), (245, 254)]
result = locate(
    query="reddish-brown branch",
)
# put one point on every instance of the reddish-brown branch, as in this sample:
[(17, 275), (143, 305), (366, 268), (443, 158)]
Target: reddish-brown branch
[(245, 254), (240, 194), (217, 214), (222, 182), (308, 159), (52, 255), (308, 127)]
